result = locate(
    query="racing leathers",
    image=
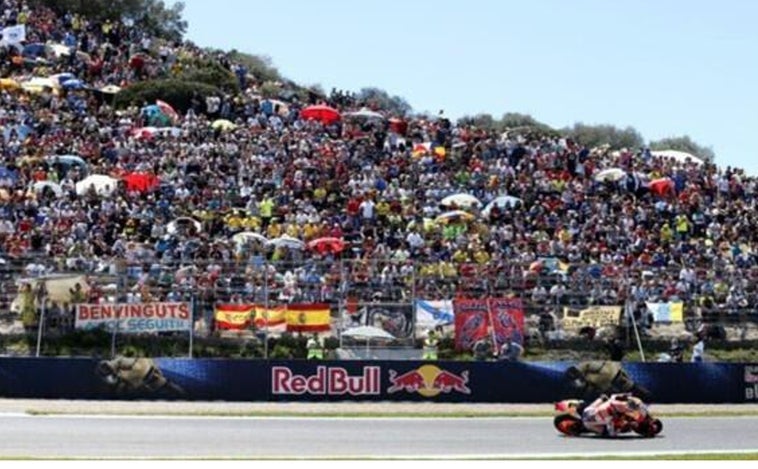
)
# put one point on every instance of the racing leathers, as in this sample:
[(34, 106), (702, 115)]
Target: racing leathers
[(600, 416)]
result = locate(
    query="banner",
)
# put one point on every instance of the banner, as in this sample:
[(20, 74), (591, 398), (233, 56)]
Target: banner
[(667, 312), (273, 317), (233, 316), (395, 318), (507, 318), (471, 322), (308, 317), (14, 34), (134, 318), (499, 319), (432, 313), (592, 316)]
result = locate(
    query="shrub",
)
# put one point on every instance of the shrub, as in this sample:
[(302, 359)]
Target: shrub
[(177, 93)]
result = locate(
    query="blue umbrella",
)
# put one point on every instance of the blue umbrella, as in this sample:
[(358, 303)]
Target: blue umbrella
[(73, 84), (70, 160), (33, 50), (6, 173)]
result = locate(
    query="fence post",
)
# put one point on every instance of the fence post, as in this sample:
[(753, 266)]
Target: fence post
[(42, 298), (265, 309)]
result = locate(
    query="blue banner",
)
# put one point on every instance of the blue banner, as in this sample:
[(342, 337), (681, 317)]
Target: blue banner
[(261, 380)]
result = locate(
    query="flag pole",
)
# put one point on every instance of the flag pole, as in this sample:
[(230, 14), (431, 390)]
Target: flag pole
[(636, 331), (265, 310)]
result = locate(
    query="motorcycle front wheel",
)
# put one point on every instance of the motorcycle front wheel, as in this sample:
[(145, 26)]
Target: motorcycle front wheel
[(568, 425), (649, 428)]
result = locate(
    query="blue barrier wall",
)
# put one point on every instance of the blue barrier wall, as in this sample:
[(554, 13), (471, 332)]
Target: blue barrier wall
[(260, 380)]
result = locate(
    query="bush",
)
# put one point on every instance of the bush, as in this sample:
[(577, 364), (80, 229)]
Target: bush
[(213, 74), (177, 93)]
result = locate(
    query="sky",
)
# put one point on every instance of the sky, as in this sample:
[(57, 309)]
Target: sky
[(667, 68)]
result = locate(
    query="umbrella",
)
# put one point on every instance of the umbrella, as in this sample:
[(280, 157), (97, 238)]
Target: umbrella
[(327, 245), (223, 125), (454, 215), (271, 106), (461, 200), (662, 186), (167, 110), (38, 84), (503, 201), (249, 236), (367, 333), (155, 116), (33, 50), (365, 113), (110, 89), (322, 113), (610, 174), (42, 185), (73, 84), (70, 160), (183, 222), (286, 242), (61, 78), (104, 185), (678, 156), (59, 50), (9, 84)]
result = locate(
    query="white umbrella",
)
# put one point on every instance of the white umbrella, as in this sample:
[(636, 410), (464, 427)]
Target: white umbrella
[(678, 156), (367, 333), (174, 226), (249, 236), (365, 113), (42, 185), (286, 242), (461, 200), (104, 185), (503, 201), (610, 174)]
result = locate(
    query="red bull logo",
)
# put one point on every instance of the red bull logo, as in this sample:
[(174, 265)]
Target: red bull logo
[(429, 381), (328, 381)]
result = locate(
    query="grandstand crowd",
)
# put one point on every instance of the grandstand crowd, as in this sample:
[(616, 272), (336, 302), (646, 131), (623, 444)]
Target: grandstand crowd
[(369, 178)]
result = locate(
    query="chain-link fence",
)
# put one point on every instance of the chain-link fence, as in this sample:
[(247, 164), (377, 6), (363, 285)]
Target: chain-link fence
[(39, 298)]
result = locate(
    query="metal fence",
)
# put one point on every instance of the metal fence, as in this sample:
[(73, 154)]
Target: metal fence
[(362, 289)]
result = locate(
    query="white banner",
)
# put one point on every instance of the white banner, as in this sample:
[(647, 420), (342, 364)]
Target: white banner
[(14, 34), (135, 318), (430, 314)]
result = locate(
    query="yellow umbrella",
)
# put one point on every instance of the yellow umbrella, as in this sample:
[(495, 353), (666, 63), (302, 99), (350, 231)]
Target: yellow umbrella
[(9, 84), (454, 216), (223, 124)]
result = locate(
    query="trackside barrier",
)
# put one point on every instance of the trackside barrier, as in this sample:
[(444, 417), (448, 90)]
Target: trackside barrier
[(263, 380)]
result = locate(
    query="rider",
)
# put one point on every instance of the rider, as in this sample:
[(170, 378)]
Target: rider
[(599, 416)]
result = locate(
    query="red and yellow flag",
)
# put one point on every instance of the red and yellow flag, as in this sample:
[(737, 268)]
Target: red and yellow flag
[(308, 317), (233, 316), (269, 318)]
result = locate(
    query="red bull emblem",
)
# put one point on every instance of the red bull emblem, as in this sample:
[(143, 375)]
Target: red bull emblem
[(429, 381)]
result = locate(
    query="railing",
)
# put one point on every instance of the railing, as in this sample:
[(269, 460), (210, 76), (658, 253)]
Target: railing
[(354, 284)]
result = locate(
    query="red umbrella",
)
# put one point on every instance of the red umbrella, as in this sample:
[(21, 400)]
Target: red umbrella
[(327, 245), (662, 187), (140, 182), (320, 112), (399, 126)]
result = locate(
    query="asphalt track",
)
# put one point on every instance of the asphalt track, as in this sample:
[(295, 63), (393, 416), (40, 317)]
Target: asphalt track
[(125, 437)]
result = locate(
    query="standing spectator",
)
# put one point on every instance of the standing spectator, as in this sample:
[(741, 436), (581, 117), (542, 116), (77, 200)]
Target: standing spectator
[(698, 350)]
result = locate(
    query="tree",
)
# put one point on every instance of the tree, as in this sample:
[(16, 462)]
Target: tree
[(258, 66), (685, 144), (382, 99), (177, 93), (153, 16), (596, 135)]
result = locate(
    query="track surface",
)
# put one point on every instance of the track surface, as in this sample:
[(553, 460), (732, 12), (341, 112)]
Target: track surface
[(107, 436)]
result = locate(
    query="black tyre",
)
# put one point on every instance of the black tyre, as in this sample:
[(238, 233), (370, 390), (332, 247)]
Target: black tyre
[(568, 425), (649, 428)]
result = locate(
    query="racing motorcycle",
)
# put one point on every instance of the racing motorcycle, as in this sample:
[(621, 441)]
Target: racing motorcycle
[(568, 419)]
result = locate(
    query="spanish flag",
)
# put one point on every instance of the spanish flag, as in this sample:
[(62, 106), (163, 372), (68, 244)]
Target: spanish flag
[(421, 149), (269, 318), (308, 317), (233, 316)]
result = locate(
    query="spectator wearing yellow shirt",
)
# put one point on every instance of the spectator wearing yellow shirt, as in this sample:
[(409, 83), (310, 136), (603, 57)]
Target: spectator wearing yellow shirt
[(481, 256), (266, 208), (666, 233), (682, 226), (460, 256), (274, 229)]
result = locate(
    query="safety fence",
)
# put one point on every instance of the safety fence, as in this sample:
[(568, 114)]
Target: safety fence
[(406, 299)]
